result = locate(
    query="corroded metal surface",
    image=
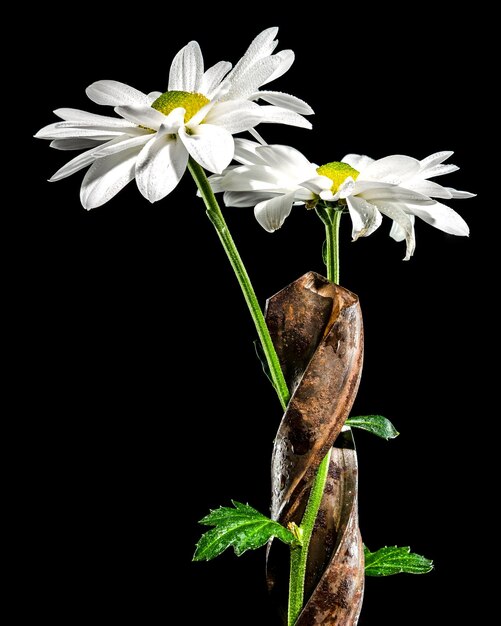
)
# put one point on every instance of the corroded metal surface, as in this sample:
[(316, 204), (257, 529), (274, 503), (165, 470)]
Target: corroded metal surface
[(316, 327)]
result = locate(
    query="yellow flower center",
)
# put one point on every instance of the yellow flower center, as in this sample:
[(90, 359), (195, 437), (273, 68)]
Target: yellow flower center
[(338, 172), (170, 100)]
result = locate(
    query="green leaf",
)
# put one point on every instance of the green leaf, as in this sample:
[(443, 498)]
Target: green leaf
[(243, 527), (264, 363), (394, 560), (375, 424)]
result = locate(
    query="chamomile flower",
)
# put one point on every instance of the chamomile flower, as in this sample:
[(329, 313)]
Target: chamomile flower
[(156, 133), (274, 178)]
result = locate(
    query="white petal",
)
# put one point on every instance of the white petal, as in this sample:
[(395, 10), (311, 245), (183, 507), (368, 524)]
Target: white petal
[(286, 60), (442, 217), (153, 95), (210, 146), (235, 116), (61, 130), (213, 77), (160, 166), (142, 115), (245, 152), (394, 193), (405, 222), (106, 177), (317, 184), (187, 69), (122, 143), (262, 46), (456, 193), (284, 100), (252, 178), (76, 164), (438, 170), (346, 188), (365, 217), (428, 188), (257, 136), (434, 159), (244, 198), (287, 160), (113, 93), (77, 143), (255, 76), (358, 161), (90, 119), (391, 169), (278, 115), (272, 213), (396, 232)]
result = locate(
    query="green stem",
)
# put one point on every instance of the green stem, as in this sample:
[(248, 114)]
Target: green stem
[(217, 219), (299, 555), (331, 217)]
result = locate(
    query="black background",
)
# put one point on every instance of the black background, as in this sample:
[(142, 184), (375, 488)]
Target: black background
[(142, 405)]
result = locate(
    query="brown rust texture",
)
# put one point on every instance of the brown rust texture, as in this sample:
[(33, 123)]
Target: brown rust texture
[(316, 327)]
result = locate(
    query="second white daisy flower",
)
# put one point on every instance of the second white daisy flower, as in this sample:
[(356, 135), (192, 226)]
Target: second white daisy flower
[(274, 178)]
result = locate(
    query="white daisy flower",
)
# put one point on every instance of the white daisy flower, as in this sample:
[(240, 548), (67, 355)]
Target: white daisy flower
[(274, 178), (155, 134)]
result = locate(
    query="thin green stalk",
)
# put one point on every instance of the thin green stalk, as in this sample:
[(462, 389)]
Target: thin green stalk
[(299, 555), (216, 217), (331, 217)]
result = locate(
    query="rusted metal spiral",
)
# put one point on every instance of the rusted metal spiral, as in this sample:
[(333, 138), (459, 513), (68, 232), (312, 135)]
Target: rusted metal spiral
[(317, 330)]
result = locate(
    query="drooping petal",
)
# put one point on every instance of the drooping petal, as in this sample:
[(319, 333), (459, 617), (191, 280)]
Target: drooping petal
[(272, 213), (396, 232), (391, 169), (235, 115), (442, 217), (187, 69), (286, 58), (78, 163), (284, 100), (365, 217), (398, 214), (210, 146), (160, 166), (213, 78), (75, 143), (358, 161), (142, 115), (278, 115), (114, 93), (106, 177)]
